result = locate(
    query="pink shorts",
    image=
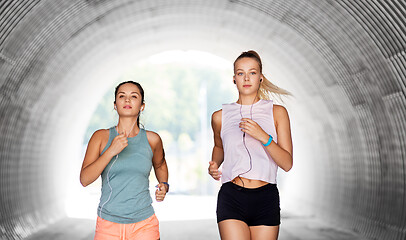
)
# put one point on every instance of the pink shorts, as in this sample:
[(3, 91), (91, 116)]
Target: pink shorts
[(147, 229)]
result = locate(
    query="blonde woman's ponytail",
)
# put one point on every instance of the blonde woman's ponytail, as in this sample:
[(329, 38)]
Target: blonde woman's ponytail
[(268, 89)]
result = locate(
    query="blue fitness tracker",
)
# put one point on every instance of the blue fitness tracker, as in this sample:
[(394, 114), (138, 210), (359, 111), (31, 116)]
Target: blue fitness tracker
[(269, 141), (167, 184)]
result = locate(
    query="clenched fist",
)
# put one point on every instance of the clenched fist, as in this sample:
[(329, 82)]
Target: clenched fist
[(214, 170)]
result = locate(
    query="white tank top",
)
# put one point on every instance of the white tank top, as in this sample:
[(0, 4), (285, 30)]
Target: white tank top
[(236, 158)]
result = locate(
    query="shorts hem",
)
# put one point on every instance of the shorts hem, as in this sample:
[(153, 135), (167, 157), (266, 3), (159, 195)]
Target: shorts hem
[(218, 221), (262, 224), (250, 224)]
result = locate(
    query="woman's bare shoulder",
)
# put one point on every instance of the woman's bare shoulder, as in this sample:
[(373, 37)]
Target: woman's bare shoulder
[(153, 138), (101, 134), (216, 117), (280, 113)]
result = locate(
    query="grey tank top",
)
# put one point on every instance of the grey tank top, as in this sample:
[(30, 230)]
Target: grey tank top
[(125, 196)]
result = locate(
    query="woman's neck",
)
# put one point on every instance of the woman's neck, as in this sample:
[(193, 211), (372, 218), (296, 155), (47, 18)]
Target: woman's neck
[(128, 126), (247, 99)]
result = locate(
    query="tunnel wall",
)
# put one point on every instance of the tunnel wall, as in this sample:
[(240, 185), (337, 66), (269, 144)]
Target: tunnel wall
[(356, 49)]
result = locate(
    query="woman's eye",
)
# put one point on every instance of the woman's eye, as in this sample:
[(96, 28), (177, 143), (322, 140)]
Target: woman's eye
[(121, 96), (253, 73), (239, 74), (134, 96)]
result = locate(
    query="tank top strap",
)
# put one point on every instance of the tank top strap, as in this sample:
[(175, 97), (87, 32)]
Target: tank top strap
[(112, 135), (144, 141), (112, 132)]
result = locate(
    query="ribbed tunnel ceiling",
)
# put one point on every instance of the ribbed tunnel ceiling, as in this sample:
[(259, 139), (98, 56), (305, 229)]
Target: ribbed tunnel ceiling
[(344, 60)]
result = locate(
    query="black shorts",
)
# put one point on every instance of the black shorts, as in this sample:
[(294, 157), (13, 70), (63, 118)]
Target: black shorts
[(254, 206)]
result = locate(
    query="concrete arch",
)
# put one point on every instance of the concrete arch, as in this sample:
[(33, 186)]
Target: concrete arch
[(344, 61)]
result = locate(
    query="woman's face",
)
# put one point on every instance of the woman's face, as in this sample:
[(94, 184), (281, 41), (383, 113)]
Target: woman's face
[(128, 100), (247, 76)]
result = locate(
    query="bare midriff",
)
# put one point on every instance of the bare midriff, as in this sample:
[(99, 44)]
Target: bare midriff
[(248, 183)]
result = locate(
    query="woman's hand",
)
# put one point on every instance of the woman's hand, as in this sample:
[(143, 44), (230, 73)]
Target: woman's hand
[(214, 170), (160, 193), (254, 130), (118, 144)]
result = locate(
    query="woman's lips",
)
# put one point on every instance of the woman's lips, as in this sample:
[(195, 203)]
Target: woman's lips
[(246, 85), (127, 107)]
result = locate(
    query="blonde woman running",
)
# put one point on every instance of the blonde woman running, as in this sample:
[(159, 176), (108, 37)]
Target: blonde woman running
[(252, 140)]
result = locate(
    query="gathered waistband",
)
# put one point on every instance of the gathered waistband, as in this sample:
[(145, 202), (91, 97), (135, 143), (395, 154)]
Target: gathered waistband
[(262, 188)]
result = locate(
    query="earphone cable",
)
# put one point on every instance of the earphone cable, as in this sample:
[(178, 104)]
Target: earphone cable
[(107, 176), (246, 148)]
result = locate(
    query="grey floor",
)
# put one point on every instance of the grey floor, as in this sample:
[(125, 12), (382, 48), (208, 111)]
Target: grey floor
[(292, 228)]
